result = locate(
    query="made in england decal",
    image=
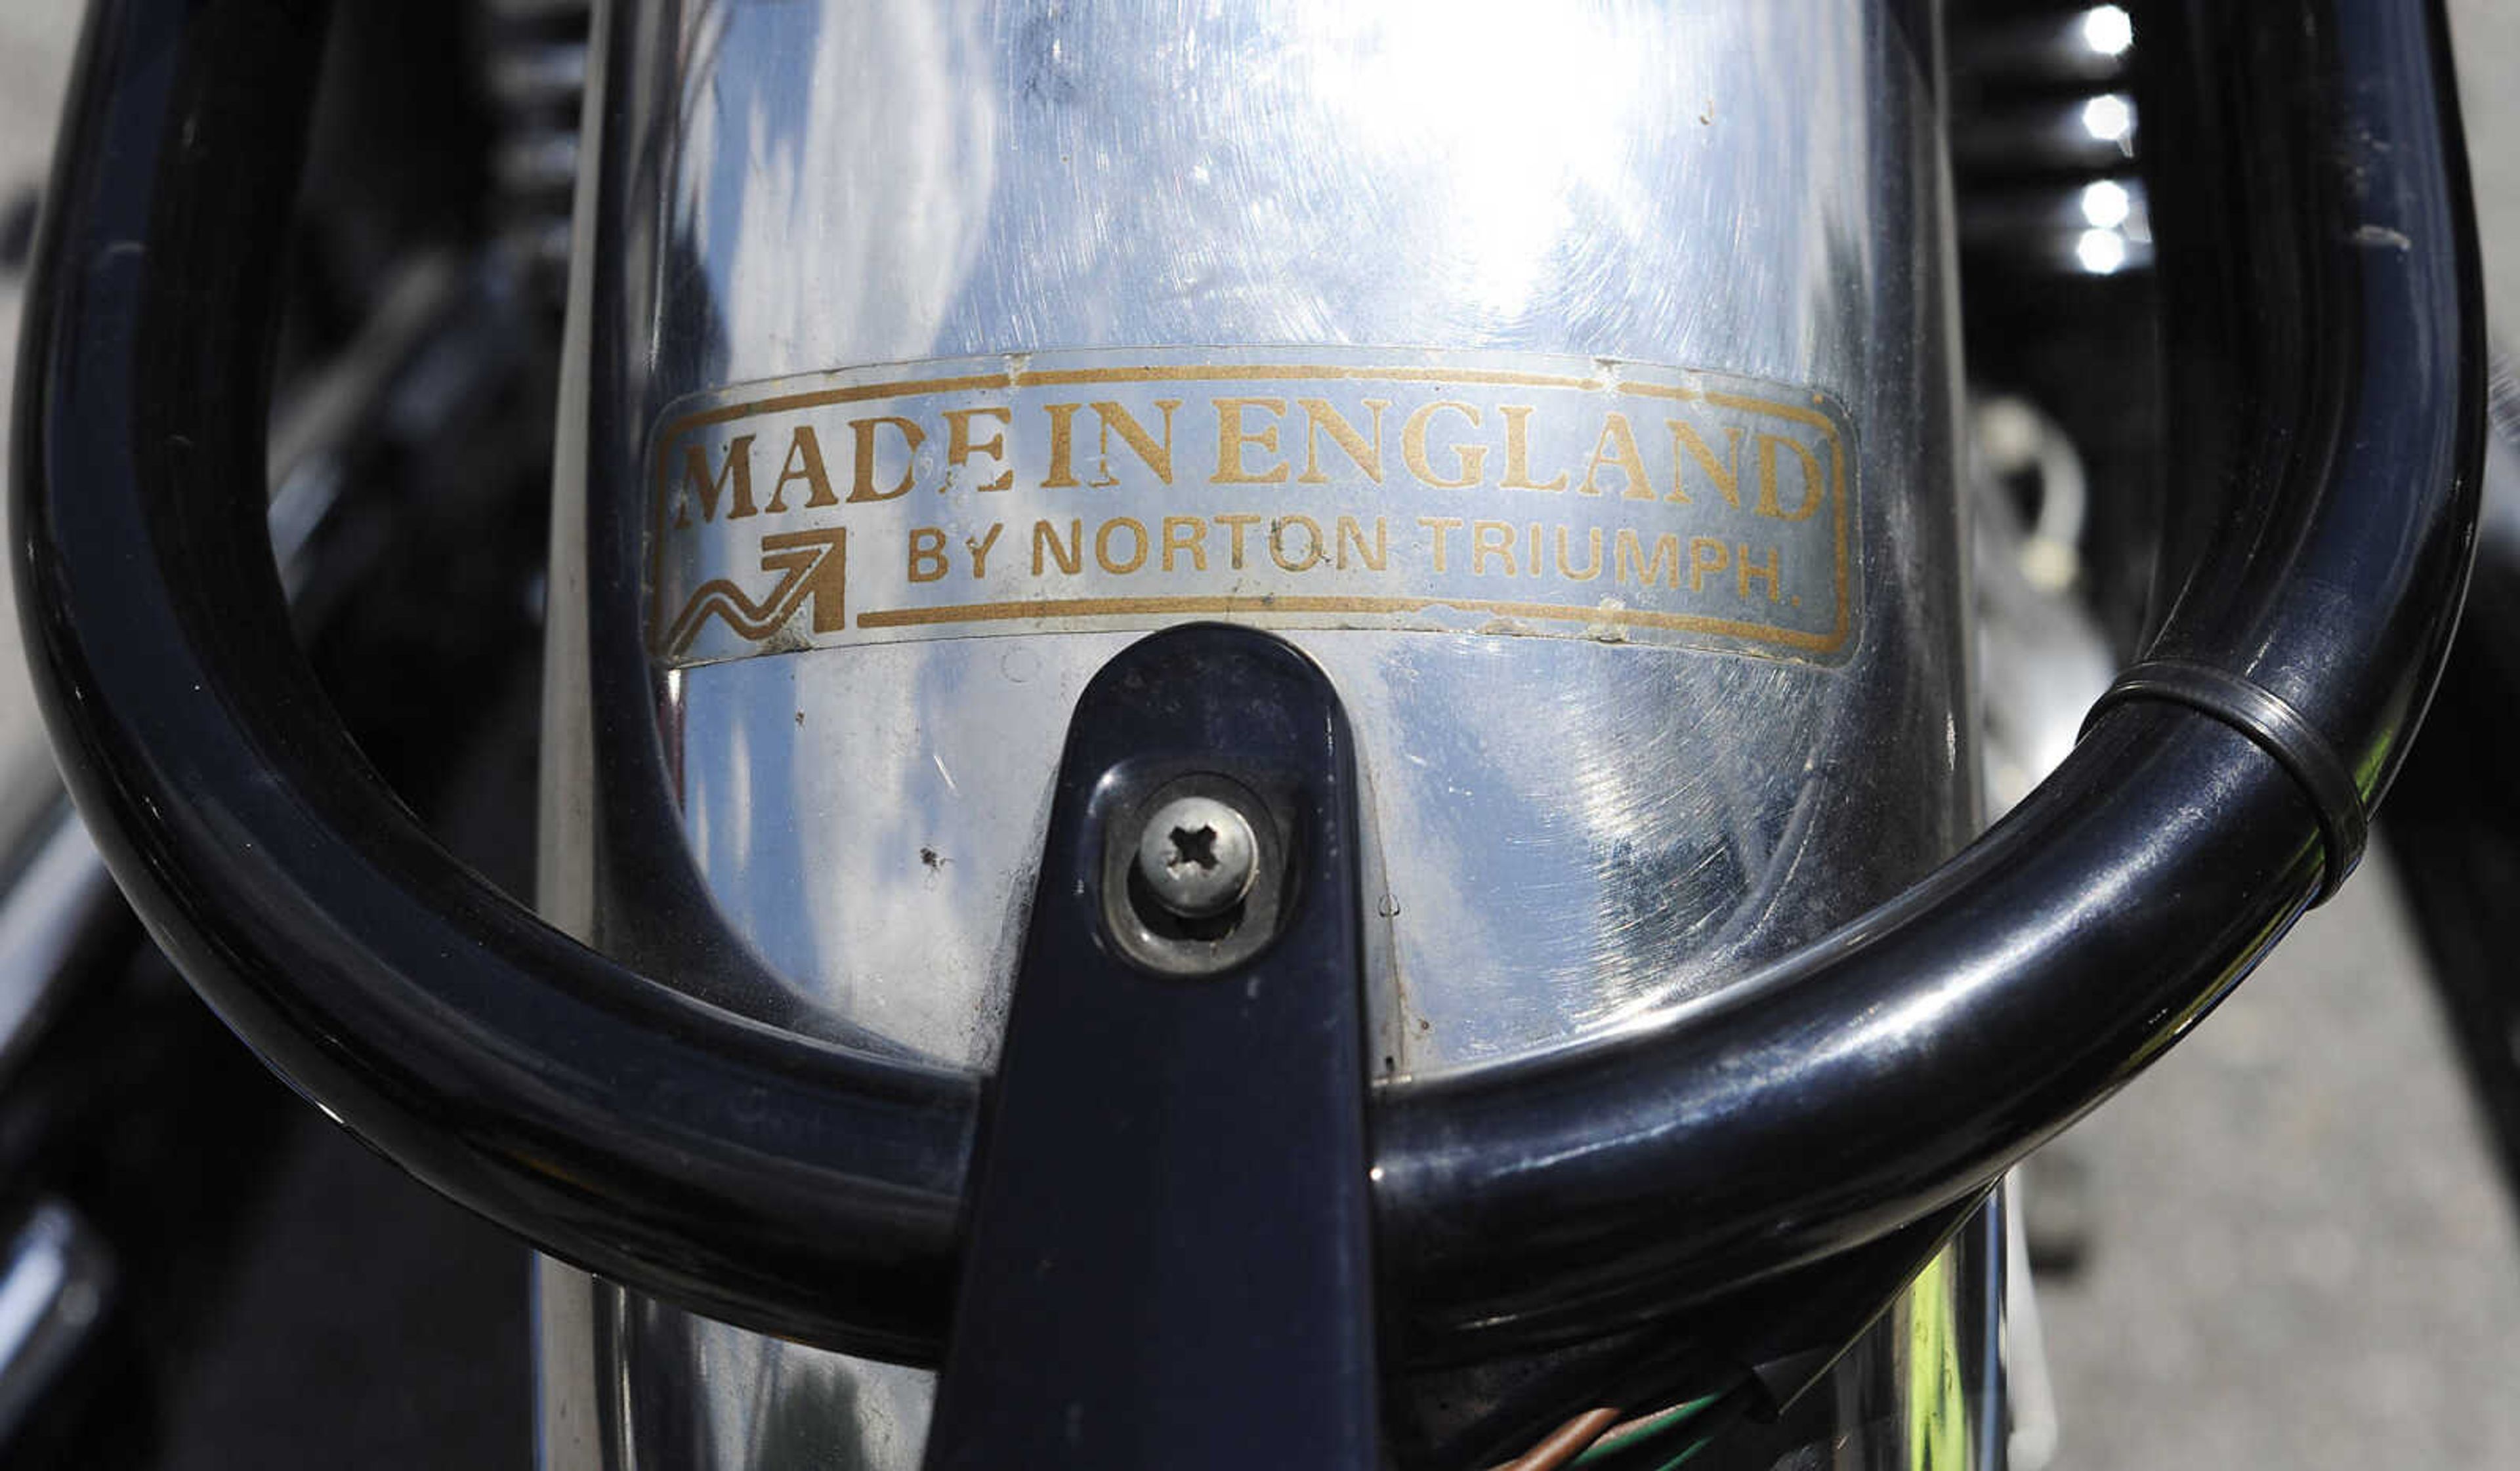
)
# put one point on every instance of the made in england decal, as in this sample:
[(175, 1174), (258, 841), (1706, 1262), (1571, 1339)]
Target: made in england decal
[(1466, 493)]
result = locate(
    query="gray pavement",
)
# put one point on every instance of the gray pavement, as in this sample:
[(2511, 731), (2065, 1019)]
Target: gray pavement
[(2300, 1255), (35, 42), (2487, 35)]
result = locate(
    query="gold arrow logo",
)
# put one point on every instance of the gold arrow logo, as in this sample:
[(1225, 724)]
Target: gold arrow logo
[(812, 565)]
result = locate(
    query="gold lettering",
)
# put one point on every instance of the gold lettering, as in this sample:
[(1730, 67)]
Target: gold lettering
[(1071, 555), (1439, 525), (978, 547), (1631, 563), (705, 488), (1186, 534), (1374, 558), (1156, 457), (912, 437), (1232, 437), (1617, 449), (1747, 569), (1492, 539), (804, 463), (1469, 460), (1238, 524), (1591, 569), (1517, 452), (1278, 543), (1063, 446), (926, 554), (1769, 506), (960, 446), (1725, 474), (1705, 555), (1320, 416), (1103, 545)]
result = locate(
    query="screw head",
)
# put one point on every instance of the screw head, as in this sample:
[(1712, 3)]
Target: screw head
[(1198, 856)]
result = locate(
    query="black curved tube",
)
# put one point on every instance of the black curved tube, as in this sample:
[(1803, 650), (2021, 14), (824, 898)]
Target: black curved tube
[(616, 1122), (2333, 289), (790, 1184)]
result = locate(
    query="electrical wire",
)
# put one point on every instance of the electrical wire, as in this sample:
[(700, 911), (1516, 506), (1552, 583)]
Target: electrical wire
[(1599, 1440), (1648, 1443), (1628, 1433), (1569, 1443)]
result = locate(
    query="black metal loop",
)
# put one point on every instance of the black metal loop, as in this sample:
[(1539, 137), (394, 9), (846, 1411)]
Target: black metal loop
[(2278, 730), (798, 1185), (808, 1188), (2324, 316)]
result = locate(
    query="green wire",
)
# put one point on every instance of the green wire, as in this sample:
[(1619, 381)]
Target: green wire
[(1645, 1430), (1688, 1455), (1719, 1417), (1709, 1417)]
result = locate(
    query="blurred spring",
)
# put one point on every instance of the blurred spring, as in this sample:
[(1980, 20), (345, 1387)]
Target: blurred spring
[(533, 58), (2043, 136)]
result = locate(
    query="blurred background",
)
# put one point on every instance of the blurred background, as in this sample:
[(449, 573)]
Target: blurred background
[(2289, 1244)]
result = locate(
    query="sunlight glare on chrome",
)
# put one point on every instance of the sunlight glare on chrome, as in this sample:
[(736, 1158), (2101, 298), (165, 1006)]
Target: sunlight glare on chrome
[(2101, 252), (2108, 118), (1485, 90), (2106, 204), (2107, 30)]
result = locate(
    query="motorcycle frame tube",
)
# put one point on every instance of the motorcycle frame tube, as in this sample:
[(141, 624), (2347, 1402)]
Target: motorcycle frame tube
[(800, 1186), (514, 1070), (1938, 1038)]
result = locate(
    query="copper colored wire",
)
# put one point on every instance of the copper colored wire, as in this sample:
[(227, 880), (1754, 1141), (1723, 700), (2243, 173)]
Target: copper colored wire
[(1566, 1441)]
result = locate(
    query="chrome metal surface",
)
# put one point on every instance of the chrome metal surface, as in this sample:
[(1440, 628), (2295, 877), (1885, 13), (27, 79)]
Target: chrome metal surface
[(1949, 1365), (626, 1384), (1924, 1386), (1572, 837), (1565, 837)]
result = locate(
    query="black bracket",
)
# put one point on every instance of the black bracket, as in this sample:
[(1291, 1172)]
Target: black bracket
[(1167, 1260)]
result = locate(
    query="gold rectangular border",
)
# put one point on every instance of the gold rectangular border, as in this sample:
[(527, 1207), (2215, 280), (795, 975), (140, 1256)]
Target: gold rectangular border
[(671, 431)]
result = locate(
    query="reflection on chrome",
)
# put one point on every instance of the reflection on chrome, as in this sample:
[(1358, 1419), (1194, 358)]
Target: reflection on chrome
[(2106, 204), (1564, 834), (2107, 30), (2102, 252), (794, 188), (2109, 117)]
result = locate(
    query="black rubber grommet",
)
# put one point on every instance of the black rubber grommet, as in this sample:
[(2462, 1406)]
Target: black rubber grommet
[(2278, 730)]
